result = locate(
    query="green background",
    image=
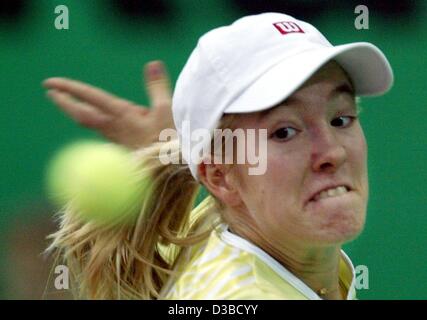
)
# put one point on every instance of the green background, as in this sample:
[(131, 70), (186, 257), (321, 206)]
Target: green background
[(106, 50)]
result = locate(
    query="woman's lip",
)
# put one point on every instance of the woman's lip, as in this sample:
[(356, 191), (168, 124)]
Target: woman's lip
[(313, 197), (330, 200)]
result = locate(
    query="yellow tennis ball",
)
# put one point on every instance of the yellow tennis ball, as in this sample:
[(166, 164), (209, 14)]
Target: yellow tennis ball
[(101, 181)]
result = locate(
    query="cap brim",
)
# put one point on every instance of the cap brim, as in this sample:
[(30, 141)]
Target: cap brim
[(365, 64)]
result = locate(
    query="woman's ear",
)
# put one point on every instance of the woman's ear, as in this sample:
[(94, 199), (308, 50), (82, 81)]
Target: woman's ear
[(217, 178)]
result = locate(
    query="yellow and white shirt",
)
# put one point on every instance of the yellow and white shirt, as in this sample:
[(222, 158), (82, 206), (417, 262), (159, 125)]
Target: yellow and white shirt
[(226, 266)]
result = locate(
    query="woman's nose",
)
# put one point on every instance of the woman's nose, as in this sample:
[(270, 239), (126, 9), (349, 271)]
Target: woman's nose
[(328, 154)]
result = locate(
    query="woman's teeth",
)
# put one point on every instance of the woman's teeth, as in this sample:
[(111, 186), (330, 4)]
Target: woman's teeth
[(334, 192)]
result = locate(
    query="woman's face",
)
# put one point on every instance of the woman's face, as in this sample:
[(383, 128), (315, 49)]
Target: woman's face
[(315, 188)]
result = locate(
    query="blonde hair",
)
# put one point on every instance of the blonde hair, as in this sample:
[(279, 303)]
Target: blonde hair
[(136, 259)]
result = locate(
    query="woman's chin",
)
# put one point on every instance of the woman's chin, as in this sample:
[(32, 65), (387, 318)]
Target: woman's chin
[(341, 231), (337, 220)]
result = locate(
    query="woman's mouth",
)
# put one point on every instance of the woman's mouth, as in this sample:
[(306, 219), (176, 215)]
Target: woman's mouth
[(330, 197), (331, 192)]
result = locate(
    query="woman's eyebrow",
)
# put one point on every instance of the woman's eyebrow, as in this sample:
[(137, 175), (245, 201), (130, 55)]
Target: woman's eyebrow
[(343, 88)]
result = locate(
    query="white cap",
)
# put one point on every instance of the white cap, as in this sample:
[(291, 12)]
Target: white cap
[(256, 63)]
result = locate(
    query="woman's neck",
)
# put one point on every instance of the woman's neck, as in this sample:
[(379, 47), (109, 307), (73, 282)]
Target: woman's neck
[(317, 267)]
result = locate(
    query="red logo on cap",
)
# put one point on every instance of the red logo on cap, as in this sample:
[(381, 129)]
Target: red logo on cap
[(286, 27)]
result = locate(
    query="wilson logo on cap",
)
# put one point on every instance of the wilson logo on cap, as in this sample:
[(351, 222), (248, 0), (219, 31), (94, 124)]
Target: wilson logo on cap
[(286, 27)]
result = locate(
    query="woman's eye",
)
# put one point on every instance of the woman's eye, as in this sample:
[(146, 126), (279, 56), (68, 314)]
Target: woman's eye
[(343, 121), (284, 133)]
